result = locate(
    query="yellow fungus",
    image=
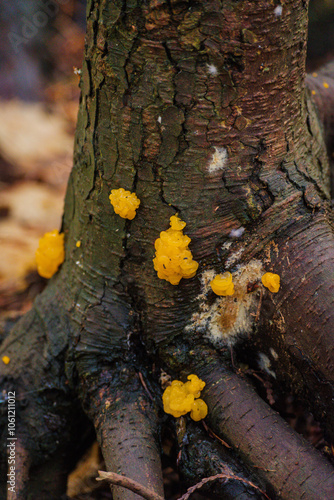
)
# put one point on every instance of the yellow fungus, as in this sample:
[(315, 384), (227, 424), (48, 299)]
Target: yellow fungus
[(313, 92), (325, 84), (271, 281), (5, 359), (179, 398), (194, 385), (222, 284), (173, 260), (199, 410), (78, 244), (124, 202), (315, 75), (50, 253), (176, 223)]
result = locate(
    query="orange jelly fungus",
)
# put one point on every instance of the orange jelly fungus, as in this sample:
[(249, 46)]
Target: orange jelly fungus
[(179, 398), (6, 360), (173, 260), (271, 281), (50, 253), (222, 284), (124, 202)]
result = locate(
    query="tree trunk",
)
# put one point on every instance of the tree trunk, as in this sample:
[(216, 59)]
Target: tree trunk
[(201, 109)]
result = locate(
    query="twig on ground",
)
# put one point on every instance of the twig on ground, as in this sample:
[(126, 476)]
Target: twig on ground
[(212, 434), (128, 483), (224, 475)]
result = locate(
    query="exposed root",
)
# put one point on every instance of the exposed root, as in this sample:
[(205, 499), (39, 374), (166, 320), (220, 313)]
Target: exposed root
[(127, 429), (262, 437), (47, 419), (204, 458)]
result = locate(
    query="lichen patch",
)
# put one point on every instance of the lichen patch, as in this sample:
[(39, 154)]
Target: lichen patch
[(212, 70), (265, 364), (218, 160), (230, 262), (231, 317)]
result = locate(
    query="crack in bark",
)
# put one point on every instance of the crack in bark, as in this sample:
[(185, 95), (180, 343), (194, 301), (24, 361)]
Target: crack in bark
[(164, 201)]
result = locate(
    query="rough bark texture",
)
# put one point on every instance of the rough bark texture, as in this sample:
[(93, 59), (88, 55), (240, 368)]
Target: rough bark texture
[(201, 109)]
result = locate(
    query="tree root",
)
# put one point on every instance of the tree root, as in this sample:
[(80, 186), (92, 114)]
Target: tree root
[(202, 460), (297, 322), (282, 457), (127, 429), (48, 421)]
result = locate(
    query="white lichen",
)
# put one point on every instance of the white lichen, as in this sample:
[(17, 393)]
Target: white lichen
[(231, 317), (234, 258), (265, 364), (212, 70), (237, 233), (226, 245), (218, 160), (278, 10)]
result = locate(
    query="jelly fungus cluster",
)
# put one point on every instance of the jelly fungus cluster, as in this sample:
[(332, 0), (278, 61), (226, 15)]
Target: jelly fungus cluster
[(50, 253), (222, 284), (179, 398), (271, 281), (124, 202), (173, 259)]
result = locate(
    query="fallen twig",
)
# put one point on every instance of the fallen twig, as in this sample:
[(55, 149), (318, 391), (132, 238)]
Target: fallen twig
[(223, 475), (128, 483), (212, 434)]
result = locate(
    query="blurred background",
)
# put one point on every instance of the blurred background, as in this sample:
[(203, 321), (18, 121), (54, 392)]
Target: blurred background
[(41, 50)]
